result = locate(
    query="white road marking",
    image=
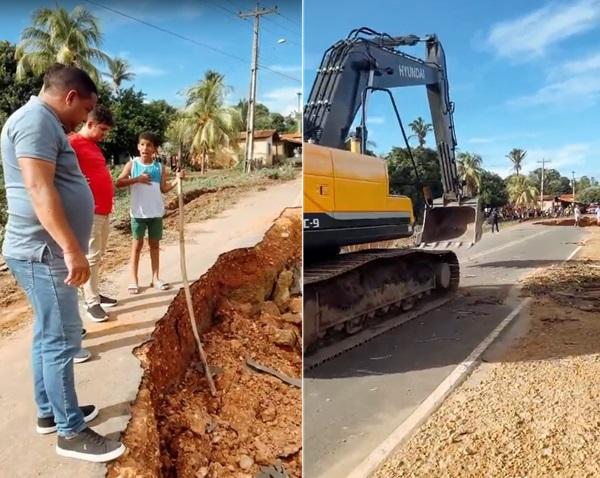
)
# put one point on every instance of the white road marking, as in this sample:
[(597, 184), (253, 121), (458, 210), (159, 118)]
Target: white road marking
[(504, 246), (577, 249)]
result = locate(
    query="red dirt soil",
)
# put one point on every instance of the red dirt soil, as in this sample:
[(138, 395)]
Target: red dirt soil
[(249, 306), (585, 222)]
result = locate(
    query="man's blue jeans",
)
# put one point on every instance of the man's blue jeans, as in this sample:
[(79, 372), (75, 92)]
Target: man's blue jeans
[(56, 338)]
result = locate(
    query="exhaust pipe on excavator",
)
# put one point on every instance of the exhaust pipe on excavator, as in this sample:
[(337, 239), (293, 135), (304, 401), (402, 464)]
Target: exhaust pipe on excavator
[(452, 224)]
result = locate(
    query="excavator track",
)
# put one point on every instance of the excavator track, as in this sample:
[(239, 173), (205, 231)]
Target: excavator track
[(351, 298)]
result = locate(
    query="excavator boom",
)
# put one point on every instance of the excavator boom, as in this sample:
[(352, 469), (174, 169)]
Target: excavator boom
[(368, 61)]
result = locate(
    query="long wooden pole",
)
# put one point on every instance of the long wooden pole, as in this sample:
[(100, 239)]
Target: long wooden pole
[(188, 294)]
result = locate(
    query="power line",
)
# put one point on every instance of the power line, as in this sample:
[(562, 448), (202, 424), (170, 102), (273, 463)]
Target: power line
[(236, 15), (263, 26), (191, 40), (289, 19), (231, 12), (295, 32)]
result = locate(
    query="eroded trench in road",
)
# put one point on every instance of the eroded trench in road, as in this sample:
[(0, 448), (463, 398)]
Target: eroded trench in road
[(248, 308)]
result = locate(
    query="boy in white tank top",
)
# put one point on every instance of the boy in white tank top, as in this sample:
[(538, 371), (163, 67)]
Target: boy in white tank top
[(148, 181)]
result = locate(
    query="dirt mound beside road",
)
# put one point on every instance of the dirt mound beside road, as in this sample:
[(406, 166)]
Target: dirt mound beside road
[(586, 221), (248, 305)]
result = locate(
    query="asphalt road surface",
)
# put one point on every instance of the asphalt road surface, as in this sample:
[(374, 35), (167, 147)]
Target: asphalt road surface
[(353, 402)]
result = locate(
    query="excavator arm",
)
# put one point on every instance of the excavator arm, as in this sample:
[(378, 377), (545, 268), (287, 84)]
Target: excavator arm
[(367, 61)]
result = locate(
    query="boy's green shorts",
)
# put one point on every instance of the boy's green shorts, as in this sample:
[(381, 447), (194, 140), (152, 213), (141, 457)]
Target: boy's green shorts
[(153, 224)]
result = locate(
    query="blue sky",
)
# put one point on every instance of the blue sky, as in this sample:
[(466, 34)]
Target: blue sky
[(522, 74), (165, 65)]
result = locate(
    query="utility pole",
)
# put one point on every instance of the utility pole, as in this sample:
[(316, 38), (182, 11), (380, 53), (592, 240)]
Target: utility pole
[(256, 13), (543, 161), (573, 173)]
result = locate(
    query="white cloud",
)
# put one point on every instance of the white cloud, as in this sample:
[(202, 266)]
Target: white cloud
[(147, 70), (286, 68), (530, 35), (563, 158), (375, 120), (282, 100), (577, 92), (573, 83), (514, 136), (582, 65), (567, 155), (501, 171)]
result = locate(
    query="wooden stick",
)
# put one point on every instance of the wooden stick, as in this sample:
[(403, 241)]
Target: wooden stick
[(188, 294)]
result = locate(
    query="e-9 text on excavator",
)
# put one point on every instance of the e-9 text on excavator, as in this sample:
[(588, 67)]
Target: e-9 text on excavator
[(347, 199)]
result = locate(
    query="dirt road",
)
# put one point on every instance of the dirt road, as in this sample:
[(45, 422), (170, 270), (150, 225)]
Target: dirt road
[(111, 379)]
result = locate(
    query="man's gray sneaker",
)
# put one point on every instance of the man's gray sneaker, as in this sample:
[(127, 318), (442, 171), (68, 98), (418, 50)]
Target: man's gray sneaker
[(90, 446), (83, 333), (48, 425), (107, 302), (96, 313), (82, 356)]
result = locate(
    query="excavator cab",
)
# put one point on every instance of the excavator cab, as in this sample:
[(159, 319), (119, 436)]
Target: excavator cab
[(452, 224)]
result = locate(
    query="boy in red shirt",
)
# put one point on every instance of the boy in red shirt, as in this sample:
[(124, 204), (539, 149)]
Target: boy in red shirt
[(94, 168)]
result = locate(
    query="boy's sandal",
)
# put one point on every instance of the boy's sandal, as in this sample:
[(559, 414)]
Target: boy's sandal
[(160, 285), (133, 289)]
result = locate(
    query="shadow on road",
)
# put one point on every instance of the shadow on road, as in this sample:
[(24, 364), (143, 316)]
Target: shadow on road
[(445, 337)]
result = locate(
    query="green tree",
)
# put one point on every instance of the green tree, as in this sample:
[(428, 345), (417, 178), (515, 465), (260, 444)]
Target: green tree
[(214, 125), (469, 171), (517, 156), (13, 95), (493, 191), (278, 122), (132, 116), (180, 134), (403, 180), (284, 124), (59, 36), (521, 192), (420, 128), (554, 183), (590, 195), (290, 124), (584, 183), (262, 116), (119, 71)]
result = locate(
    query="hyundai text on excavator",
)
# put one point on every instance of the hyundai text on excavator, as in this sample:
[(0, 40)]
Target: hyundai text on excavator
[(347, 199)]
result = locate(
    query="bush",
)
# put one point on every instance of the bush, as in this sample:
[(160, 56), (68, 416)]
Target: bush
[(590, 195), (284, 173)]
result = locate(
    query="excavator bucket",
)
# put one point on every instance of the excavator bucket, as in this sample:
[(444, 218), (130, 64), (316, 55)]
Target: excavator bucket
[(452, 225)]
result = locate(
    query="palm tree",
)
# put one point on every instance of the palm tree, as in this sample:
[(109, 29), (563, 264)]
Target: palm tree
[(214, 126), (521, 191), (420, 128), (469, 170), (59, 36), (118, 72), (517, 156), (180, 135)]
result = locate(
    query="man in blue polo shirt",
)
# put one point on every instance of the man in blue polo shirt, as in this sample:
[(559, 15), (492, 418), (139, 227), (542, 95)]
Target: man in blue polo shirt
[(50, 214)]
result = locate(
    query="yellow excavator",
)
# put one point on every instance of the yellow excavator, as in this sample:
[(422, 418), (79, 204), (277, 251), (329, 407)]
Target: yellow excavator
[(347, 199)]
